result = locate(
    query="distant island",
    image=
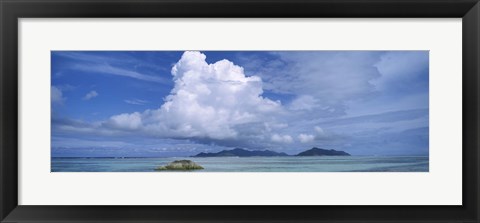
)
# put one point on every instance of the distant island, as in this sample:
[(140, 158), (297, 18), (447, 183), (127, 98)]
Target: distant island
[(241, 153), (322, 152), (238, 152)]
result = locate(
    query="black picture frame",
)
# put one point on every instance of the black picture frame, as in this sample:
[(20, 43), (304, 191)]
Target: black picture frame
[(12, 10)]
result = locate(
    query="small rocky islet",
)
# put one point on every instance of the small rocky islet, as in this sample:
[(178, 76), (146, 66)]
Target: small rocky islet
[(180, 165)]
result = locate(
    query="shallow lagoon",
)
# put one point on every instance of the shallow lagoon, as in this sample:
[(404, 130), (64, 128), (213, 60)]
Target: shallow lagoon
[(250, 164)]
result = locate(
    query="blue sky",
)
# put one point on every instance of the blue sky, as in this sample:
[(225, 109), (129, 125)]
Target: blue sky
[(176, 103)]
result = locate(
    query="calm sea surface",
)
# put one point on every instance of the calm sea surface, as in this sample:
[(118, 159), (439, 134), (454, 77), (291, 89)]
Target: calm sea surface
[(249, 164)]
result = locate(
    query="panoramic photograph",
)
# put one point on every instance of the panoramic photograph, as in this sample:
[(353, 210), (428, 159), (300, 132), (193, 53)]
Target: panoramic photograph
[(239, 111)]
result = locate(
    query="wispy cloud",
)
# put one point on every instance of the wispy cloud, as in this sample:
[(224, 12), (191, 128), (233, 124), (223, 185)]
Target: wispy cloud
[(90, 95), (108, 69), (135, 101), (85, 57), (56, 95), (89, 62)]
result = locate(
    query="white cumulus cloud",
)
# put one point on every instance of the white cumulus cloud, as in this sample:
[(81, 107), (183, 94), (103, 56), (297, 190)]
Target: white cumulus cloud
[(318, 134), (306, 138), (281, 138), (126, 121)]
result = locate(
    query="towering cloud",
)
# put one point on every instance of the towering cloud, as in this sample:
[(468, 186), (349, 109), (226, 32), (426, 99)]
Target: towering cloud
[(210, 101)]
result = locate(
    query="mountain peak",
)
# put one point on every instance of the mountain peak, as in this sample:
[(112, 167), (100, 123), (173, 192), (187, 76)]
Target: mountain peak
[(322, 152)]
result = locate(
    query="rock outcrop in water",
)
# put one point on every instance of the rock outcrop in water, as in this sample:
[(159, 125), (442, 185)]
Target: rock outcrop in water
[(322, 152), (180, 165), (237, 152)]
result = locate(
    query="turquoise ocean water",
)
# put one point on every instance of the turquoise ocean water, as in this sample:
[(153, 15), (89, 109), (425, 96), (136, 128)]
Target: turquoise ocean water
[(250, 164)]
